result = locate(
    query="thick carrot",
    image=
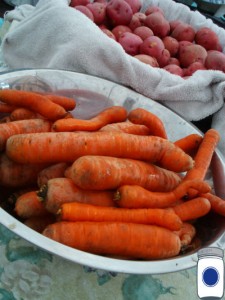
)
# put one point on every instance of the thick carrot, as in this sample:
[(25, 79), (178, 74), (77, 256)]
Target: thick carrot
[(66, 102), (217, 203), (190, 143), (6, 108), (34, 101), (53, 147), (104, 172), (29, 205), (192, 209), (109, 115), (22, 126), (186, 234), (53, 171), (62, 190), (153, 122), (39, 223), (22, 113), (133, 196), (86, 212), (122, 239), (127, 127), (16, 175)]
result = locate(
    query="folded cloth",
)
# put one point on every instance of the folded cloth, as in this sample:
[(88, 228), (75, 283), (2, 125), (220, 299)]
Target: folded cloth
[(54, 35)]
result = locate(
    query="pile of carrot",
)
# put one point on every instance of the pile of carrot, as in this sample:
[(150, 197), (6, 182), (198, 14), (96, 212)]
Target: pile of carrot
[(112, 185)]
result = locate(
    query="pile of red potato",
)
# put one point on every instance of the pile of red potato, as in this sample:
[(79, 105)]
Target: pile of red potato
[(173, 45)]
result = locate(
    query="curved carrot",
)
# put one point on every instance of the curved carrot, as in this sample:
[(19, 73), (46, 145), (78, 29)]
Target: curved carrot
[(217, 203), (121, 239), (127, 127), (34, 101), (105, 172), (53, 171), (22, 126), (190, 143), (192, 209), (66, 102), (6, 108), (29, 205), (153, 122), (22, 113), (53, 147), (132, 196), (63, 190), (186, 234), (85, 212), (109, 115)]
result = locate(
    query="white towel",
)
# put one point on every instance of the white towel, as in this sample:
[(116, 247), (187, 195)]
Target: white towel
[(54, 35)]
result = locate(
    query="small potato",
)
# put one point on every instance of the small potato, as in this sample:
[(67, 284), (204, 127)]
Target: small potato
[(119, 30), (119, 12), (143, 32), (182, 45), (171, 44), (130, 42), (174, 24), (174, 69), (149, 60), (98, 10), (193, 68), (158, 24), (86, 11), (164, 58), (215, 60), (151, 9), (183, 32), (192, 53), (207, 38), (137, 20), (109, 33), (152, 46), (135, 5), (174, 61), (74, 3)]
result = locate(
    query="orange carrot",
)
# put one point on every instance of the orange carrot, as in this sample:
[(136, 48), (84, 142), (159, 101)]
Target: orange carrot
[(29, 205), (5, 119), (132, 196), (39, 223), (66, 102), (109, 115), (22, 126), (53, 171), (186, 234), (86, 212), (53, 147), (110, 238), (62, 190), (192, 209), (153, 122), (217, 203), (6, 108), (22, 113), (190, 143), (105, 172), (16, 175), (34, 101), (127, 127)]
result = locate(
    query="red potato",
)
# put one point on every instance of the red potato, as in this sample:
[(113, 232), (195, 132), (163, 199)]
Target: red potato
[(119, 12), (137, 20), (109, 33), (182, 45), (193, 68), (152, 46), (130, 42), (183, 32), (143, 32), (135, 5), (215, 60), (101, 1), (171, 44), (149, 60), (207, 38), (174, 61), (192, 53), (158, 24), (86, 11), (119, 30), (98, 10), (174, 69), (151, 9), (74, 3), (174, 24), (164, 58)]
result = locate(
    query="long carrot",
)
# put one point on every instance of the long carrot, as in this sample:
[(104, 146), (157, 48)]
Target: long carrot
[(34, 101), (153, 122), (22, 126), (133, 196), (66, 102), (29, 205), (217, 203), (62, 190), (6, 108), (127, 127), (53, 171), (85, 212), (109, 115), (122, 239), (192, 209), (104, 172), (190, 143), (22, 113), (52, 147), (186, 234)]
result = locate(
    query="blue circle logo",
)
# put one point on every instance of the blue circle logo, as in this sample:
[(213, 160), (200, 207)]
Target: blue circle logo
[(210, 276)]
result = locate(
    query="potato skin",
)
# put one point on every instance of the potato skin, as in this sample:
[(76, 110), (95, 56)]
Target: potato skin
[(130, 43), (207, 38), (174, 69), (119, 12), (158, 24), (192, 53), (183, 32), (143, 32), (147, 59), (215, 60), (171, 44), (152, 46)]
